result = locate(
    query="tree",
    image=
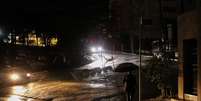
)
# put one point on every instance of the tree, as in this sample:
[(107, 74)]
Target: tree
[(163, 74)]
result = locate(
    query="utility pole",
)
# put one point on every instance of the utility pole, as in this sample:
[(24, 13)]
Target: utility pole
[(137, 7), (131, 43), (141, 13), (131, 32), (140, 55)]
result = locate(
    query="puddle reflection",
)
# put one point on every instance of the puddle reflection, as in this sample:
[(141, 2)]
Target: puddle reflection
[(19, 90), (14, 98), (96, 85)]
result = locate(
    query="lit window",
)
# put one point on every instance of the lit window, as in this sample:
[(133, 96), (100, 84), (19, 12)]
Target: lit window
[(53, 41)]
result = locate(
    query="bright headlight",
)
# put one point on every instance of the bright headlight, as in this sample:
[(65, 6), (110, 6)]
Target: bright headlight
[(14, 77), (97, 49), (28, 74), (100, 49)]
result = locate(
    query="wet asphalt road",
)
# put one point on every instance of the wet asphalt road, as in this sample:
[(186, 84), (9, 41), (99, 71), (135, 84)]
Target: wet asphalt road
[(90, 89), (65, 85), (57, 91)]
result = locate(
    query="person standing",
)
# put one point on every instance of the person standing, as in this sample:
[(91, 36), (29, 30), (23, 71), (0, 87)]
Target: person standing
[(129, 86)]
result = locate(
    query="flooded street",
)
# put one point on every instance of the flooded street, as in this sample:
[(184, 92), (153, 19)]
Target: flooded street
[(88, 83), (58, 91)]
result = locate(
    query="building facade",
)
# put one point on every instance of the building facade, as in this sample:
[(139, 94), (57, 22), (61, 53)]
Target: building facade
[(32, 39), (158, 19), (189, 49)]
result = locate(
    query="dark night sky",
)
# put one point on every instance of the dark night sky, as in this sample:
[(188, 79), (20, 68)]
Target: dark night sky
[(70, 17)]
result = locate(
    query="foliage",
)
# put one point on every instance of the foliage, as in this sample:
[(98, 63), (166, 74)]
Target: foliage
[(163, 74)]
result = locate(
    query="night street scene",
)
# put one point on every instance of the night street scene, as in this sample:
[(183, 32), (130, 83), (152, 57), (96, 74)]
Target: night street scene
[(100, 50)]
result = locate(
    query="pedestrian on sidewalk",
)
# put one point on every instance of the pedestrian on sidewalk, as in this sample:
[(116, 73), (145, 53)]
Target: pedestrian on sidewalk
[(129, 86)]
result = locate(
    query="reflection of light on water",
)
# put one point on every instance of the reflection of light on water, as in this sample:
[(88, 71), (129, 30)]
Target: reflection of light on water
[(17, 98), (19, 90), (96, 85), (30, 100), (99, 59), (14, 98), (97, 63)]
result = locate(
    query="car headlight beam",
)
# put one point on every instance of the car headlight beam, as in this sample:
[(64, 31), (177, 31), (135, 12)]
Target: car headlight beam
[(14, 77), (28, 74)]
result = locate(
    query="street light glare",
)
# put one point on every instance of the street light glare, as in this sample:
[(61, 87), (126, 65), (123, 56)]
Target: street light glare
[(93, 49), (14, 77), (97, 49), (100, 49)]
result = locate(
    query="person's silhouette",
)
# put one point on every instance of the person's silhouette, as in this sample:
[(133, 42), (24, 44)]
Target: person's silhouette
[(130, 85)]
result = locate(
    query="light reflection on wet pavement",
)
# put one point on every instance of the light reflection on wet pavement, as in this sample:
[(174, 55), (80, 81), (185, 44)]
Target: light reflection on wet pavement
[(57, 91)]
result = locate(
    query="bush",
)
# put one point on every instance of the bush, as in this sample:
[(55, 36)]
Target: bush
[(163, 74)]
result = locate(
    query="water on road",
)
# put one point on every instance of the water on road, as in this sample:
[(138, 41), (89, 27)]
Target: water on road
[(57, 91), (89, 83)]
